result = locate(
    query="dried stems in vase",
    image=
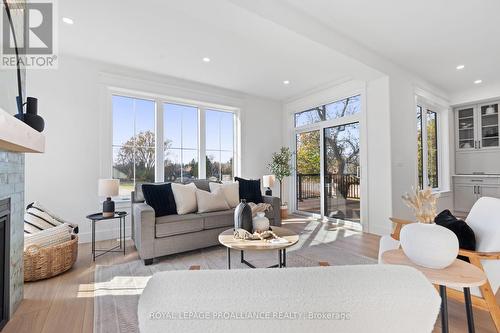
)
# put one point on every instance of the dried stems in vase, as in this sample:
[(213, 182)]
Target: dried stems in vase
[(423, 203)]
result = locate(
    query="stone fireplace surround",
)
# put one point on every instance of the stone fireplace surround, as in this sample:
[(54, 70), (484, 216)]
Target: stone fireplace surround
[(12, 186)]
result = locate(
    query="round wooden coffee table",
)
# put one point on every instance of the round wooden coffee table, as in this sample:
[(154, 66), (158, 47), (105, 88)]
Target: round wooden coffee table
[(227, 239), (459, 274)]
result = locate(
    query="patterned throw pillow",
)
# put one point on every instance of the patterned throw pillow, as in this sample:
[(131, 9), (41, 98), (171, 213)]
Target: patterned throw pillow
[(49, 237), (37, 218)]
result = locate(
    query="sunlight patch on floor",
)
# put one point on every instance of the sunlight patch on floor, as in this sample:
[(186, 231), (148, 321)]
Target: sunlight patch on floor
[(118, 286)]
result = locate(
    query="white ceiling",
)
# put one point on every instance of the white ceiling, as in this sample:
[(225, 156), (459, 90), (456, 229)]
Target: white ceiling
[(428, 37), (254, 55), (248, 53)]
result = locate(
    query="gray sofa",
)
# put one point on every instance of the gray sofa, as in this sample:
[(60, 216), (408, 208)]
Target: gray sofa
[(156, 237)]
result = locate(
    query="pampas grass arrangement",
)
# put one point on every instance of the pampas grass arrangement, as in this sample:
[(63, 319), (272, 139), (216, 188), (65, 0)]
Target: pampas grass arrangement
[(423, 203)]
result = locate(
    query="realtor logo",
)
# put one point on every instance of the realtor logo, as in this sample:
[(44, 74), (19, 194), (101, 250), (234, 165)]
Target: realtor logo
[(30, 27)]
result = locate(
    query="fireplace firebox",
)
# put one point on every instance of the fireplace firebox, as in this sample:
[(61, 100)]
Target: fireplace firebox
[(4, 261)]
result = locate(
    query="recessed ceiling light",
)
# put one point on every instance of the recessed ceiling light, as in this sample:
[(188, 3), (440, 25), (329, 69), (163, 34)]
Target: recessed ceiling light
[(286, 82), (67, 20), (478, 81), (460, 67), (206, 59)]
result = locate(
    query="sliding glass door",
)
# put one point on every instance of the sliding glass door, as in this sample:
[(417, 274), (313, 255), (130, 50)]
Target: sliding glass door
[(308, 165), (327, 170), (342, 172)]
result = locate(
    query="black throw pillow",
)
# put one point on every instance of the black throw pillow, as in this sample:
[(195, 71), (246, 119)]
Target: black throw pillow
[(250, 190), (464, 233), (161, 198)]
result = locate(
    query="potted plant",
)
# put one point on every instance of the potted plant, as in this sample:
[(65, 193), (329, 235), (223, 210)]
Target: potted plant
[(281, 167)]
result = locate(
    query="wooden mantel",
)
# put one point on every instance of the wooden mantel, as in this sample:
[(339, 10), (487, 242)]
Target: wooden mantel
[(18, 137)]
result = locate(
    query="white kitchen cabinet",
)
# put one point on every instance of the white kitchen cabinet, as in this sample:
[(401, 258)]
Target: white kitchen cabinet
[(468, 189), (477, 127), (477, 139), (465, 197)]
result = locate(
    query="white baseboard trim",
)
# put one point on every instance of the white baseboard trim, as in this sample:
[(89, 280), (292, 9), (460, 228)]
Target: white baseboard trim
[(380, 230), (86, 237)]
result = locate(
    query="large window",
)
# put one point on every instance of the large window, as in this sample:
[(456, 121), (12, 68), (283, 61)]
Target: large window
[(219, 144), (133, 141), (428, 154), (180, 123), (140, 154)]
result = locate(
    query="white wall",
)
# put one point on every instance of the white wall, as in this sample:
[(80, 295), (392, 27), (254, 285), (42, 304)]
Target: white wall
[(379, 156), (72, 101)]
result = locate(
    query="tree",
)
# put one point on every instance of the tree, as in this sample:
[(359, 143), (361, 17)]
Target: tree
[(308, 153), (136, 158), (280, 166)]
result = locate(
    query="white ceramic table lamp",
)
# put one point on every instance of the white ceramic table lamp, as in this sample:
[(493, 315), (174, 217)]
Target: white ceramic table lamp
[(108, 188), (268, 182)]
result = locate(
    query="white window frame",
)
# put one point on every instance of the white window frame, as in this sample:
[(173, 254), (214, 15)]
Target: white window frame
[(160, 100), (426, 106)]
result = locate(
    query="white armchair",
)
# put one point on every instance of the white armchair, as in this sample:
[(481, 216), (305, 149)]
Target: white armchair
[(484, 220)]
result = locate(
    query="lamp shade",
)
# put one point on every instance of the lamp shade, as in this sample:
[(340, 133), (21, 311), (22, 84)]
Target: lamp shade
[(268, 181), (108, 187)]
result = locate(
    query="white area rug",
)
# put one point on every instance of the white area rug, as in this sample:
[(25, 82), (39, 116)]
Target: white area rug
[(118, 287)]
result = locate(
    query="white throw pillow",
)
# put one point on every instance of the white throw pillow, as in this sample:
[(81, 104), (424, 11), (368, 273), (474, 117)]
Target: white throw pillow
[(211, 201), (231, 192), (185, 198)]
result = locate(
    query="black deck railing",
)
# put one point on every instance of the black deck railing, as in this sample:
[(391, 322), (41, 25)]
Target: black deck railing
[(309, 186)]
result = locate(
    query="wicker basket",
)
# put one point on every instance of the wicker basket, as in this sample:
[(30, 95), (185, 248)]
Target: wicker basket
[(43, 263)]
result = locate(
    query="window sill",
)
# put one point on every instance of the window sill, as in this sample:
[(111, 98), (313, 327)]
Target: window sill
[(122, 202), (442, 193)]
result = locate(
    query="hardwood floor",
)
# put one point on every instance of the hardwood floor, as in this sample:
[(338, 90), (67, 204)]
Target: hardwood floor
[(65, 303)]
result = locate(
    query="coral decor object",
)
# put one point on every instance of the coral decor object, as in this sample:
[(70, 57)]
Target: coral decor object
[(423, 202)]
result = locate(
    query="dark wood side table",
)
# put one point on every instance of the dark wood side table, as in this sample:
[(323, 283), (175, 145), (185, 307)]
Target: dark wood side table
[(459, 274), (120, 247)]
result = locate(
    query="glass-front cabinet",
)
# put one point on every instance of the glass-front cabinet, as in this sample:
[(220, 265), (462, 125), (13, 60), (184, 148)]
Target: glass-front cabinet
[(489, 126), (477, 127), (466, 128)]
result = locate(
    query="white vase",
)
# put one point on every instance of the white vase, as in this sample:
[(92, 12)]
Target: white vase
[(260, 222), (429, 245)]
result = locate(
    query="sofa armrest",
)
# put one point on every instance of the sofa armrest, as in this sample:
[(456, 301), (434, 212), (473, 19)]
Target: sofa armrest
[(275, 203), (144, 225)]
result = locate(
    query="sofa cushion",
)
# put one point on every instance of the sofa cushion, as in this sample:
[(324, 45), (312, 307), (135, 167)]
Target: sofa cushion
[(202, 184), (218, 219), (230, 190), (161, 198), (138, 196), (250, 190), (185, 198), (211, 201), (171, 225)]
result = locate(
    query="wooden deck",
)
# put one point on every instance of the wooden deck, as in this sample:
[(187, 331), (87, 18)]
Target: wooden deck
[(348, 209)]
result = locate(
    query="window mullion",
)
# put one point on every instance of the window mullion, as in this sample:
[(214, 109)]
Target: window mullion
[(425, 157), (160, 143), (202, 150)]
